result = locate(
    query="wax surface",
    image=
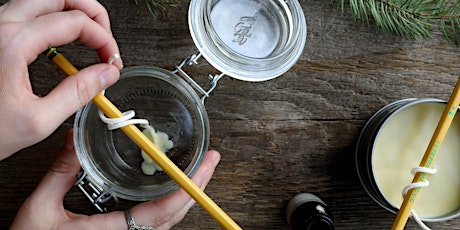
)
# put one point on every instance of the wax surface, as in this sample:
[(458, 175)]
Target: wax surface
[(161, 140), (400, 146)]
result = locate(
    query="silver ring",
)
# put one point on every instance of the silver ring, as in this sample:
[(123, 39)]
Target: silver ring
[(132, 225)]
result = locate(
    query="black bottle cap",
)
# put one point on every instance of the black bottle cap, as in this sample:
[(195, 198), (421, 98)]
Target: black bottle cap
[(307, 212)]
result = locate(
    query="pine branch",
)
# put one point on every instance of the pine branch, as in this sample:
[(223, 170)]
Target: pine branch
[(154, 5), (409, 18), (450, 23)]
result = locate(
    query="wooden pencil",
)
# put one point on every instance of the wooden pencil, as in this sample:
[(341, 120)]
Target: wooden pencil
[(429, 157), (153, 151)]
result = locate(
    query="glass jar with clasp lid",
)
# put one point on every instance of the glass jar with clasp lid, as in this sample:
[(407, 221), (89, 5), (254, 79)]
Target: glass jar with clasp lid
[(249, 40)]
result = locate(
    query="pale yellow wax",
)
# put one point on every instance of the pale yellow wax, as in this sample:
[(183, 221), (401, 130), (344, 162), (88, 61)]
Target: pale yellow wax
[(400, 146), (161, 140)]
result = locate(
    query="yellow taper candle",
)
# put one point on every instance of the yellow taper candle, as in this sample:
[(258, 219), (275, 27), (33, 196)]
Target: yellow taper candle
[(145, 144), (429, 157)]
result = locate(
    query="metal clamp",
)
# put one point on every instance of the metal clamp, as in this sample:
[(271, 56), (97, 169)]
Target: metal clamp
[(193, 60), (98, 197)]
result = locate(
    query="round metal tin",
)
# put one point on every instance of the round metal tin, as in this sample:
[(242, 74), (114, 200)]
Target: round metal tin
[(365, 154)]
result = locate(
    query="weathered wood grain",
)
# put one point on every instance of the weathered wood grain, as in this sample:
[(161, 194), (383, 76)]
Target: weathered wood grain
[(292, 134)]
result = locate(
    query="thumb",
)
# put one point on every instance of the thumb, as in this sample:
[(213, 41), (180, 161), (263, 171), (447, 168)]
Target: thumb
[(77, 90), (61, 176)]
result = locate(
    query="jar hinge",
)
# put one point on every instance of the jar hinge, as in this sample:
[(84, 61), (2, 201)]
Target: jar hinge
[(193, 60), (98, 197)]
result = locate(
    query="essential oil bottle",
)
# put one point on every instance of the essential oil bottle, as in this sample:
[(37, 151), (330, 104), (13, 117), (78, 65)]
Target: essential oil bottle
[(306, 211)]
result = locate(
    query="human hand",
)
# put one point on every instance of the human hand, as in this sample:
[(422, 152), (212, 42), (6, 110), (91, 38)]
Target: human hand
[(44, 208), (29, 27)]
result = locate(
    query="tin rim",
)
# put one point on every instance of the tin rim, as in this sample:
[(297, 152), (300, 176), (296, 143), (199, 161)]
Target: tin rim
[(365, 150)]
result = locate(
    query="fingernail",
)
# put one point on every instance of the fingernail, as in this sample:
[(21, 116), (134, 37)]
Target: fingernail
[(108, 76), (216, 158), (113, 58)]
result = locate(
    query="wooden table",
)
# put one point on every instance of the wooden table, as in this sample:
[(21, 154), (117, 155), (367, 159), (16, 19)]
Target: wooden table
[(292, 134)]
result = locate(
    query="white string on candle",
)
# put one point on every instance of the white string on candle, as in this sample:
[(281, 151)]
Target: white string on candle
[(126, 119), (414, 185)]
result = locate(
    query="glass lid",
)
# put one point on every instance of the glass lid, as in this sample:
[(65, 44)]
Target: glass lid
[(249, 40)]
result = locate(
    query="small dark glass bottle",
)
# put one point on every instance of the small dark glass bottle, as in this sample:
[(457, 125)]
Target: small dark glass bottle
[(306, 211)]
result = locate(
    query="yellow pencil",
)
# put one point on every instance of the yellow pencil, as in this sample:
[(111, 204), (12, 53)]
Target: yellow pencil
[(154, 152), (429, 157)]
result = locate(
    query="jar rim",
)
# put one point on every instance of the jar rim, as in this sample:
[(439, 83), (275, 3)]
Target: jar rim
[(110, 183), (285, 18)]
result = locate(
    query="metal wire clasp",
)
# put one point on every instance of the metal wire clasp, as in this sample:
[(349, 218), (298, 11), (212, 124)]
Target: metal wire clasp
[(98, 197), (193, 60)]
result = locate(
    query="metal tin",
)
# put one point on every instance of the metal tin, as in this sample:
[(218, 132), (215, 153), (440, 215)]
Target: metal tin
[(365, 151)]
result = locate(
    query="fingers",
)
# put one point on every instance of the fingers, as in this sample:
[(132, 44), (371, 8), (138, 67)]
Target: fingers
[(166, 212), (23, 39), (24, 10), (62, 28), (44, 208), (77, 90), (170, 210), (60, 178), (162, 214)]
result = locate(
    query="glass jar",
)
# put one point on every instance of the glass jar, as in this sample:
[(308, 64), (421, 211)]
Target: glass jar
[(249, 40), (111, 161)]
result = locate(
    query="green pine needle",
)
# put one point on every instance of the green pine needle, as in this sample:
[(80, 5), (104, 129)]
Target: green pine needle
[(160, 5), (409, 18)]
